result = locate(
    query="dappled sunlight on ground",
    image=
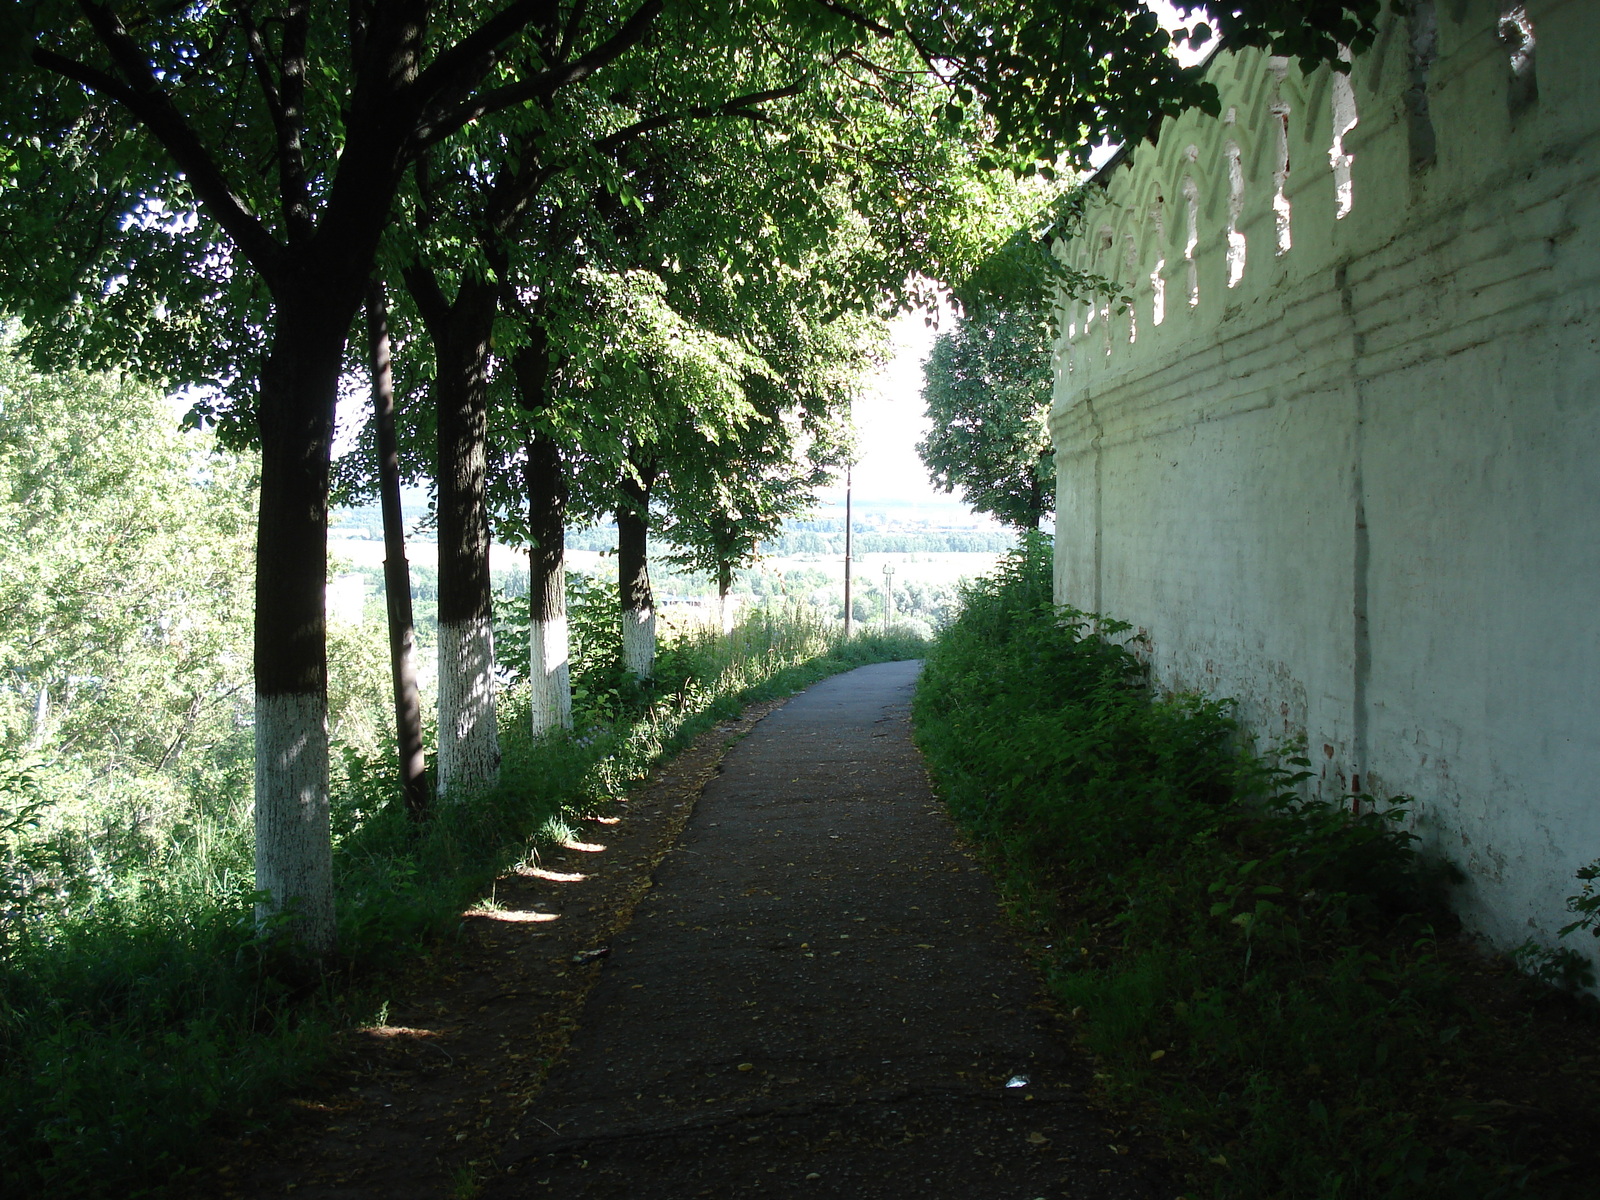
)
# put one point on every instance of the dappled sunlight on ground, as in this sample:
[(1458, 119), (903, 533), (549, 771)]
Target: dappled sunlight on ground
[(506, 914), (551, 876), (398, 1031)]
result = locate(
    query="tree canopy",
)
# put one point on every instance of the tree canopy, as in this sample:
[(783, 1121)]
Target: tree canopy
[(124, 639), (987, 391)]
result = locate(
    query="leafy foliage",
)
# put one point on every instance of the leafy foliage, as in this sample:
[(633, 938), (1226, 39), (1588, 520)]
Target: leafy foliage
[(1256, 972), (987, 392), (124, 591), (1059, 76)]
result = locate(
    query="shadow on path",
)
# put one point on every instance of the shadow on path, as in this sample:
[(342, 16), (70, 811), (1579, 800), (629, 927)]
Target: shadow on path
[(818, 998)]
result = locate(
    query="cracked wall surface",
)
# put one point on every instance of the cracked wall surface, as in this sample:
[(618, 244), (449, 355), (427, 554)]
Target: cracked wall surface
[(1341, 460)]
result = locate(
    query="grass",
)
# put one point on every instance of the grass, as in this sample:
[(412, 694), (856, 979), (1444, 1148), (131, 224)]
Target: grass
[(141, 1012), (1266, 980)]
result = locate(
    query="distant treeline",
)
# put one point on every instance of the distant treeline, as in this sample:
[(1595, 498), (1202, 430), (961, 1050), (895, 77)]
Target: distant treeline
[(798, 542), (793, 545), (815, 537)]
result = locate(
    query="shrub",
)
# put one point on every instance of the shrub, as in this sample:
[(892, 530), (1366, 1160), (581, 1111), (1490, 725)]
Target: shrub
[(1254, 968)]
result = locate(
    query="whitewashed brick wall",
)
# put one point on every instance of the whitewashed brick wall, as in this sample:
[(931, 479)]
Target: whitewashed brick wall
[(1356, 483)]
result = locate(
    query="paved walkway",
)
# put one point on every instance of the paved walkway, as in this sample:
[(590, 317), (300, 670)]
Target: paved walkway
[(818, 998)]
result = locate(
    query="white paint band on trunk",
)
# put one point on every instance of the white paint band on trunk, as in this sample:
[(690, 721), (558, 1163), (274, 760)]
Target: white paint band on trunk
[(469, 742), (639, 641), (550, 676), (294, 848)]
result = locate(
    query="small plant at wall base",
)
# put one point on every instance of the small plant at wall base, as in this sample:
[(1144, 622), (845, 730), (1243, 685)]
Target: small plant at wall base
[(1268, 981), (1562, 966), (1586, 904)]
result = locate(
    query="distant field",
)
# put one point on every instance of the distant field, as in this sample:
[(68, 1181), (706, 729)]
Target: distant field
[(360, 552), (928, 569)]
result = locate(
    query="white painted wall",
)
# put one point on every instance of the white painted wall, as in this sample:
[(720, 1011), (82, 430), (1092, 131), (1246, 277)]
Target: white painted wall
[(1359, 489)]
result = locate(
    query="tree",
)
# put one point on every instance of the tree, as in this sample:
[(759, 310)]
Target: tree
[(123, 645), (725, 498), (396, 571), (184, 105), (187, 182), (987, 391)]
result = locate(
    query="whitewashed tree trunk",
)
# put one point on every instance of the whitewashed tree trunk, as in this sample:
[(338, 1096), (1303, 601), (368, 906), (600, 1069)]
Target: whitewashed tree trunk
[(469, 745), (550, 675), (725, 613), (294, 848), (639, 641), (469, 742), (298, 389), (637, 602)]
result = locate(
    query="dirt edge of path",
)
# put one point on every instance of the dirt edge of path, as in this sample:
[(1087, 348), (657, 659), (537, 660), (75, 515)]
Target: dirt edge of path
[(418, 1106)]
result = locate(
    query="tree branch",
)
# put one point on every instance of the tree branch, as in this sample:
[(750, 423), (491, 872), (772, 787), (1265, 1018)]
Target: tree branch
[(440, 122), (154, 109), (428, 296), (738, 106), (878, 29), (256, 49), (468, 60), (514, 194), (292, 186), (857, 18), (569, 35)]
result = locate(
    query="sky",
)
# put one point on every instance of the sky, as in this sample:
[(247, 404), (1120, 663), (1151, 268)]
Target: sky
[(890, 420)]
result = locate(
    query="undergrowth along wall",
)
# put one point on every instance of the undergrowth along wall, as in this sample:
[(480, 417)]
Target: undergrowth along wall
[(1265, 980)]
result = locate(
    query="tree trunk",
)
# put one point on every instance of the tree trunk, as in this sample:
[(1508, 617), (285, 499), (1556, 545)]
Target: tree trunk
[(41, 717), (469, 743), (849, 528), (299, 384), (633, 573), (724, 586), (548, 670), (549, 673), (396, 571)]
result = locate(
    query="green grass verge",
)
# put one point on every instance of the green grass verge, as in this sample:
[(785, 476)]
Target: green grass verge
[(141, 1013), (1257, 975)]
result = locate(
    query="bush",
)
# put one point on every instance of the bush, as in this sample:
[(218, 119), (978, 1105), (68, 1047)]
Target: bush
[(1254, 969)]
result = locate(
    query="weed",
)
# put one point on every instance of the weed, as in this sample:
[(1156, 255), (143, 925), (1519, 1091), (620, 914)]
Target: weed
[(1255, 970), (1561, 966)]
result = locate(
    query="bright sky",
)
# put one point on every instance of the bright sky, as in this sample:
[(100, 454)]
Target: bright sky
[(890, 421)]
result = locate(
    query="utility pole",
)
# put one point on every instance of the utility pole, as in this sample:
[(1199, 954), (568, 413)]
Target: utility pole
[(847, 524), (888, 596)]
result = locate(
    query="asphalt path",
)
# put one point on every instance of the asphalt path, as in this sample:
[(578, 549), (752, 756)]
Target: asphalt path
[(820, 997)]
